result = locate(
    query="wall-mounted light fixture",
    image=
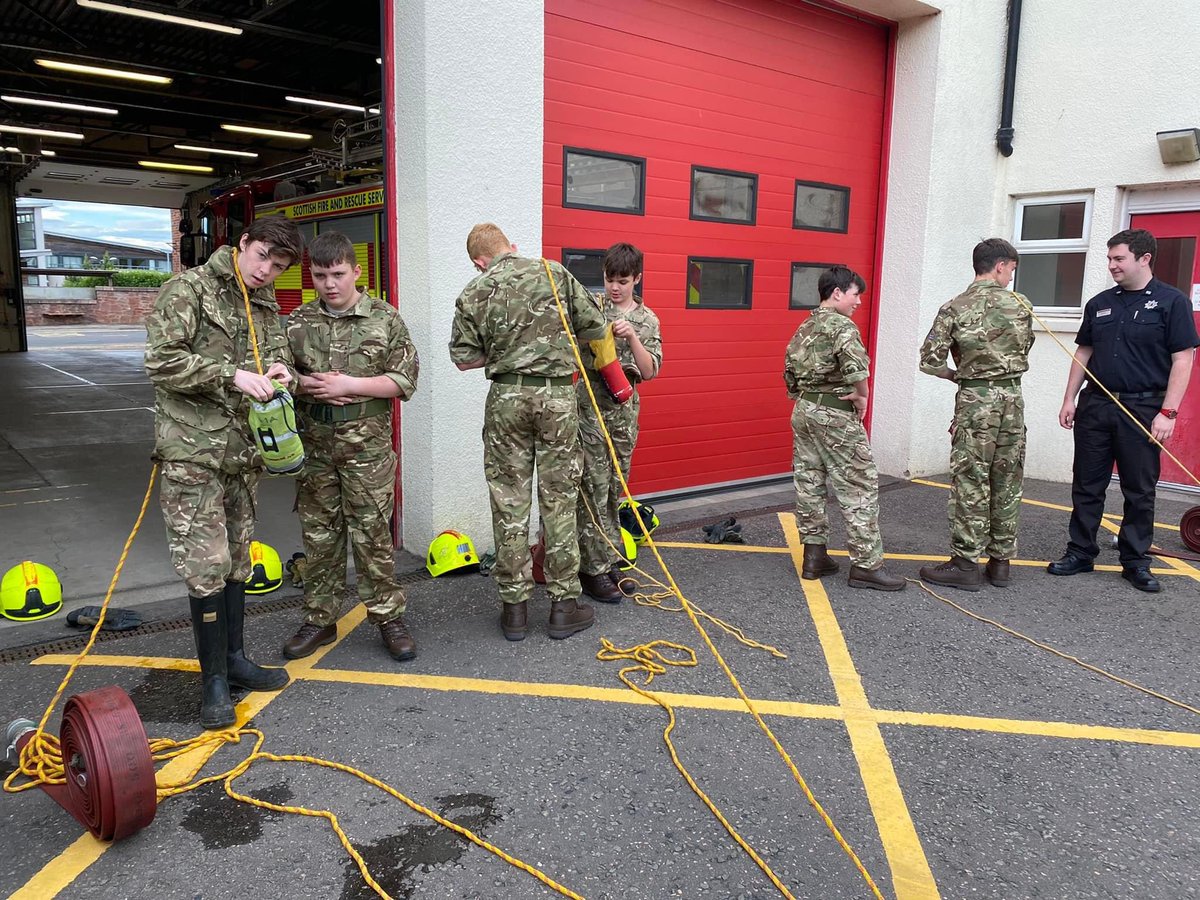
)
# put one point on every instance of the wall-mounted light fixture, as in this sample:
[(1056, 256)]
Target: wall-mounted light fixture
[(1179, 146)]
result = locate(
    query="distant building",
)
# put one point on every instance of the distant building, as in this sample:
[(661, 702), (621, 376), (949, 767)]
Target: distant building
[(69, 251), (31, 237)]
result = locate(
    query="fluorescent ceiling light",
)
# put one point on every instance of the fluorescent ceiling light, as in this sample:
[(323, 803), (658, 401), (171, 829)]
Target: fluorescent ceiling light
[(157, 16), (174, 167), (374, 110), (55, 104), (12, 149), (379, 61), (247, 154), (327, 103), (102, 71), (49, 153), (268, 132), (43, 132)]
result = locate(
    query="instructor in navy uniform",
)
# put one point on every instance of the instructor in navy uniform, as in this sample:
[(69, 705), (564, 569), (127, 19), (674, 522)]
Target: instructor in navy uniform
[(1138, 339)]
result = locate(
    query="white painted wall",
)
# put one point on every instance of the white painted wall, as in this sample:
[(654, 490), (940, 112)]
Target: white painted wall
[(469, 149), (1095, 81)]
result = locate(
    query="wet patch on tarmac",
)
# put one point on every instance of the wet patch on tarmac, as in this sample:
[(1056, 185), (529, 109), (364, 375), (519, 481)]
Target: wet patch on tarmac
[(220, 821), (394, 860), (167, 697)]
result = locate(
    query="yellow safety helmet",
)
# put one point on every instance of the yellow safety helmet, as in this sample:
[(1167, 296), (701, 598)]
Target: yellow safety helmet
[(629, 550), (629, 514), (30, 591), (448, 551), (266, 571)]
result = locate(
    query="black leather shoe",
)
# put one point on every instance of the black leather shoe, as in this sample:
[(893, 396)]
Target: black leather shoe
[(1070, 564), (1140, 578)]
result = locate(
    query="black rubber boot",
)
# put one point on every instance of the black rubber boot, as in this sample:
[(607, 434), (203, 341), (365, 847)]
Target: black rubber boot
[(242, 672), (208, 627)]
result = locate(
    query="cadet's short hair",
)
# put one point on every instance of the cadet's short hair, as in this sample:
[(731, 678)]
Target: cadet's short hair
[(330, 248), (990, 252), (1138, 240), (839, 278), (487, 240), (622, 260), (279, 233)]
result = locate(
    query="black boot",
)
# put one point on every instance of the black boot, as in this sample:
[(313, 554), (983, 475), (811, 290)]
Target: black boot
[(243, 673), (208, 627)]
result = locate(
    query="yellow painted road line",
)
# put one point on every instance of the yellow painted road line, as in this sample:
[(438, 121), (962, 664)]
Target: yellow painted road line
[(912, 878), (38, 502), (737, 548), (1043, 504), (60, 872), (1033, 728)]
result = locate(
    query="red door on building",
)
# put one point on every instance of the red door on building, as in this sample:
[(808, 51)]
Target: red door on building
[(740, 144), (1178, 263)]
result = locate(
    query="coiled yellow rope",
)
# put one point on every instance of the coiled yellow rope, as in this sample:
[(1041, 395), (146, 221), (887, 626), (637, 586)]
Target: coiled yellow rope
[(687, 607)]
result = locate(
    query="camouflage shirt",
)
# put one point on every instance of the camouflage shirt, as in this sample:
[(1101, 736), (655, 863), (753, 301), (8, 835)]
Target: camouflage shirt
[(368, 340), (196, 338), (826, 355), (986, 329), (507, 317), (645, 323)]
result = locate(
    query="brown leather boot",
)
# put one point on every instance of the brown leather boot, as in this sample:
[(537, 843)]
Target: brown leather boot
[(512, 620), (878, 579), (958, 571), (306, 641), (398, 641), (625, 582), (568, 617), (997, 572), (817, 562), (600, 588)]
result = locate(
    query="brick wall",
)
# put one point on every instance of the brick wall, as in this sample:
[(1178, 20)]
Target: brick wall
[(111, 306)]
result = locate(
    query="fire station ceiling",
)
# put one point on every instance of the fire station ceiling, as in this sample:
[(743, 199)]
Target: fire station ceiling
[(141, 88)]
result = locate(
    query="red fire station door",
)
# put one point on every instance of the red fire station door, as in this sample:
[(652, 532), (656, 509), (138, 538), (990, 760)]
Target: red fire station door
[(1177, 263)]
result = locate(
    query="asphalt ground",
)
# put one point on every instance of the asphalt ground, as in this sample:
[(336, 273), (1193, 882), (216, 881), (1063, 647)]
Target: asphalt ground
[(956, 759)]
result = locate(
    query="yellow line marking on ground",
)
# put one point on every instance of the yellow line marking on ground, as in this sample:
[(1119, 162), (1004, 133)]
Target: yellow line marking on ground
[(1033, 728), (60, 872), (737, 548), (912, 878), (588, 693), (36, 502), (1043, 504)]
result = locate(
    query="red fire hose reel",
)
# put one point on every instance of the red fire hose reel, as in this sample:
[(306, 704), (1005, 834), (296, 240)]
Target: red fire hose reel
[(1189, 529), (110, 788)]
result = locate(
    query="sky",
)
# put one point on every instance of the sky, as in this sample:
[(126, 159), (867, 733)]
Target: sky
[(141, 226)]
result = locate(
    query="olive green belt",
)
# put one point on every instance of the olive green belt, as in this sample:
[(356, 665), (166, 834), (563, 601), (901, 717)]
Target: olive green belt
[(833, 401), (325, 412), (1007, 381), (533, 380)]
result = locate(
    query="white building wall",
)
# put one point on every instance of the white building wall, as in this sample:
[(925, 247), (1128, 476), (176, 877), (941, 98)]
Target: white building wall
[(469, 149), (1095, 81)]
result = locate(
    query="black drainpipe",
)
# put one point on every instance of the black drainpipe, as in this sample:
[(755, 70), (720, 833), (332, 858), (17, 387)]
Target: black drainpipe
[(1004, 135)]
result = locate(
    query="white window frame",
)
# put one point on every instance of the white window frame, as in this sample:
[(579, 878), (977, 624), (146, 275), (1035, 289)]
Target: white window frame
[(1065, 245)]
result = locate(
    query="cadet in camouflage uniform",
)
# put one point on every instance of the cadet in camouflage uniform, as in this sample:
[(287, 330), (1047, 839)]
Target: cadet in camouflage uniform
[(988, 331), (353, 354), (639, 346), (826, 374), (507, 322), (201, 361)]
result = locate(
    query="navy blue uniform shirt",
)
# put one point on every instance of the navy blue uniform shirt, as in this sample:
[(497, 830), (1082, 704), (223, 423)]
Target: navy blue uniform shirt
[(1133, 334)]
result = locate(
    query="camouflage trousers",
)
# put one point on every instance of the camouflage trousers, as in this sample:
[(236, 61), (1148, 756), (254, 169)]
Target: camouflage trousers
[(524, 427), (832, 444), (987, 467), (210, 522), (600, 488), (347, 493)]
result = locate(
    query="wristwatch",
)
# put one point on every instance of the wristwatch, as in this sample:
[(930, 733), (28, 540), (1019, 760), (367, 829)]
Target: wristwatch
[(1169, 413)]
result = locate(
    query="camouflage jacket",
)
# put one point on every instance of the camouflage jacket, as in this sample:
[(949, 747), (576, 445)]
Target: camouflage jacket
[(371, 339), (507, 317), (825, 355), (196, 338), (645, 323), (986, 329)]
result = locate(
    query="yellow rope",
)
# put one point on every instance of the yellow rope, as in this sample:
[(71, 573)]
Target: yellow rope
[(687, 607), (249, 317), (1104, 673)]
